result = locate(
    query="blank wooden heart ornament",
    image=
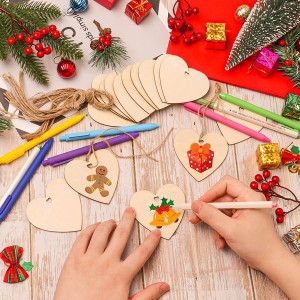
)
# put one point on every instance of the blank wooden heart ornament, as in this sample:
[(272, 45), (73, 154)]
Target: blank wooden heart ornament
[(200, 159), (98, 182), (156, 210), (59, 211), (179, 83)]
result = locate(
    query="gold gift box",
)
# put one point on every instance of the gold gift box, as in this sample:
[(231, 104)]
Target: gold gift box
[(215, 32), (268, 156)]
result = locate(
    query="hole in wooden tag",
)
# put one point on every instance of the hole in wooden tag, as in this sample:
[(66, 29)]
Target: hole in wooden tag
[(156, 198), (186, 73), (49, 200), (89, 165)]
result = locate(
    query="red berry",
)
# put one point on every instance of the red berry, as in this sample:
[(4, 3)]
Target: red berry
[(254, 185), (179, 24), (102, 39), (189, 26), (193, 39), (11, 41), (52, 27), (40, 54), (174, 38), (275, 179), (37, 35), (258, 178), (264, 186), (188, 12), (266, 173), (287, 62), (28, 50), (47, 50), (282, 43), (171, 23), (107, 43), (279, 211), (271, 184), (44, 31), (280, 219), (20, 36), (100, 48), (268, 198), (199, 35), (55, 34), (187, 41), (39, 47), (108, 37), (195, 10), (29, 40)]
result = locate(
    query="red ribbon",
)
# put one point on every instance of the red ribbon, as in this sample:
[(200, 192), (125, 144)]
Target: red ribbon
[(288, 157)]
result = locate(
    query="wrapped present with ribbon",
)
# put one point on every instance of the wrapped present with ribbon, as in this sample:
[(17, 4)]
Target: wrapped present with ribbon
[(138, 10), (200, 157), (292, 239), (109, 4), (215, 37), (264, 62), (291, 107), (268, 156)]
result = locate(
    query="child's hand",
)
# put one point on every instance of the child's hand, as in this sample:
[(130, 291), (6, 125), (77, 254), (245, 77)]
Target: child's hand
[(248, 232), (94, 269)]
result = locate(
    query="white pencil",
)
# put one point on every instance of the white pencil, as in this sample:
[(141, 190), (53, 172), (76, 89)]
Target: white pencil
[(233, 205), (20, 175)]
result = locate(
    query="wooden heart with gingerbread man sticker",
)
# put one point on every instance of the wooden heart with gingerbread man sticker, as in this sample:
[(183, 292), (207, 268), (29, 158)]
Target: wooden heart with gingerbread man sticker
[(200, 158), (156, 210)]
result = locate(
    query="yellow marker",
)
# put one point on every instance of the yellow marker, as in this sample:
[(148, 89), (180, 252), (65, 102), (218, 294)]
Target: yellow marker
[(20, 151)]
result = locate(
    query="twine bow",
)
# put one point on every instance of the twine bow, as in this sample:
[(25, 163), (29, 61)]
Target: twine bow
[(288, 157), (200, 152), (11, 256)]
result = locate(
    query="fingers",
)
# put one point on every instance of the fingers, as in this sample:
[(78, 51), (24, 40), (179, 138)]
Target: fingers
[(121, 235), (101, 236), (136, 260), (219, 240), (194, 219), (82, 242), (152, 292)]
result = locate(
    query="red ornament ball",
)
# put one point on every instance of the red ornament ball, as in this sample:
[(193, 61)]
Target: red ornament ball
[(275, 179), (28, 50), (195, 10), (193, 38), (179, 24), (264, 186), (44, 31), (20, 36), (297, 45), (66, 68), (55, 34), (199, 35), (266, 173), (186, 41), (102, 39), (11, 41), (52, 27), (282, 43), (39, 47), (174, 38), (37, 35), (40, 54), (280, 219), (171, 23), (29, 40), (107, 43), (100, 48), (108, 37), (279, 211), (47, 50), (258, 177), (254, 185), (287, 62), (188, 12)]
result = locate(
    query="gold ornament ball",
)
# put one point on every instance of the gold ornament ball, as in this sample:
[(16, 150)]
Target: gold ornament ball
[(242, 13)]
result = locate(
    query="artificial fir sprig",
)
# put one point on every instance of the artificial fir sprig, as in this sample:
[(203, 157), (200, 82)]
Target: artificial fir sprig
[(26, 18), (5, 123)]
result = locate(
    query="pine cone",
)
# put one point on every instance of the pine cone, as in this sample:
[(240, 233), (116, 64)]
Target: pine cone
[(107, 31), (94, 44)]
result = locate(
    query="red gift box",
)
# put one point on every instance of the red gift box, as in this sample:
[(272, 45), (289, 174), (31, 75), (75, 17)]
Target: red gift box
[(109, 4), (200, 157), (138, 10)]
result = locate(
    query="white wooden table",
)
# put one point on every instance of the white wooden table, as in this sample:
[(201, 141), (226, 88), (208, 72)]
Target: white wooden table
[(190, 262)]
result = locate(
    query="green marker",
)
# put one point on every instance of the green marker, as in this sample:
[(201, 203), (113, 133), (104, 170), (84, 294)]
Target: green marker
[(260, 111)]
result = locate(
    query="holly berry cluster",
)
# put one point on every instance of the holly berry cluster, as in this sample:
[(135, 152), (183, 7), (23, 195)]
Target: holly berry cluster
[(104, 42), (181, 28), (265, 184), (34, 39)]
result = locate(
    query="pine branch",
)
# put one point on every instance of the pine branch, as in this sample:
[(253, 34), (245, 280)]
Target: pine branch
[(5, 123), (267, 22), (4, 49)]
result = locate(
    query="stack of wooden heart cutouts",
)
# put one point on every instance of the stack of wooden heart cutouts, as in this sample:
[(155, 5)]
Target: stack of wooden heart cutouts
[(147, 86)]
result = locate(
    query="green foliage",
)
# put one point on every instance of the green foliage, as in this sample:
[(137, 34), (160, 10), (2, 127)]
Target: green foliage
[(26, 17), (110, 57), (268, 21), (4, 123), (290, 52)]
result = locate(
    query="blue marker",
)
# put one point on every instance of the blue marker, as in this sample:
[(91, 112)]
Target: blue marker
[(13, 197), (92, 134)]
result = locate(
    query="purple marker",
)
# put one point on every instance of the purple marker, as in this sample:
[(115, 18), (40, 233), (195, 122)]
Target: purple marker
[(68, 156)]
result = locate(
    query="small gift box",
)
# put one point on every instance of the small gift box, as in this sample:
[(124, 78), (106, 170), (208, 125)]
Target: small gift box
[(138, 10), (109, 4), (200, 157), (292, 239), (268, 156), (215, 36), (264, 62), (291, 107)]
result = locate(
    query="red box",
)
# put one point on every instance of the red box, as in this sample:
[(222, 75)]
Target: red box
[(138, 10), (198, 164), (109, 4)]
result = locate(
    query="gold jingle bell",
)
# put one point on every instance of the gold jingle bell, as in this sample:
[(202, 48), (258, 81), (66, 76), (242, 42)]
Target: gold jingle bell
[(242, 13), (294, 168)]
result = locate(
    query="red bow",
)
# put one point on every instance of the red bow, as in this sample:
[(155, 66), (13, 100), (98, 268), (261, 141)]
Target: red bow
[(11, 256), (161, 209), (288, 157), (200, 151)]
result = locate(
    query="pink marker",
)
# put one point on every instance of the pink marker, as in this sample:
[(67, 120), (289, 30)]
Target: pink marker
[(200, 110)]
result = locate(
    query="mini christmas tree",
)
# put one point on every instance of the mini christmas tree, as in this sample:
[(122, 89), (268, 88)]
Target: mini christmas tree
[(268, 21)]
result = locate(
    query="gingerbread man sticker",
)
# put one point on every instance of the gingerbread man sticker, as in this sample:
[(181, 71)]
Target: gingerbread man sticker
[(100, 180)]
